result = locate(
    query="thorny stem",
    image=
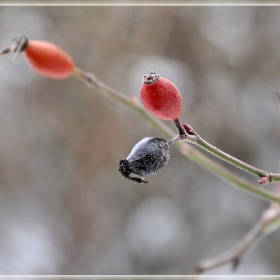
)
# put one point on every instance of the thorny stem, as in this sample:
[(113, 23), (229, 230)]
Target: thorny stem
[(187, 150)]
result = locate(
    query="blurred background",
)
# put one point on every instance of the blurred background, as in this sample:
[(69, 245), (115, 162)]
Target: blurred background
[(65, 208)]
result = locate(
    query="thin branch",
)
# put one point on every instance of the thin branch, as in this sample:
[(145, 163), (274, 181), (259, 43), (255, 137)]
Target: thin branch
[(234, 255), (226, 175), (187, 133), (265, 176), (269, 222), (187, 150)]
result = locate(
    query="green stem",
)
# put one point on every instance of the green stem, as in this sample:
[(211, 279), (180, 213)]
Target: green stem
[(226, 175), (272, 177), (189, 135), (189, 151)]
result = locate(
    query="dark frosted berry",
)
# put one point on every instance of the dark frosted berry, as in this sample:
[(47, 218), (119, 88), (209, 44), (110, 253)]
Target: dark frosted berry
[(146, 158)]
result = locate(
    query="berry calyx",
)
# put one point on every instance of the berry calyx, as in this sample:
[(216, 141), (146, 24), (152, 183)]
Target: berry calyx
[(161, 97), (45, 58), (150, 78)]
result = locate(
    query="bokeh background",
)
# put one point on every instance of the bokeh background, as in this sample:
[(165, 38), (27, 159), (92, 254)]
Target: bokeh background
[(65, 208)]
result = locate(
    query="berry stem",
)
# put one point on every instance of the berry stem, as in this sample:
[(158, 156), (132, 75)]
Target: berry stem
[(265, 176), (181, 130), (186, 133), (182, 133)]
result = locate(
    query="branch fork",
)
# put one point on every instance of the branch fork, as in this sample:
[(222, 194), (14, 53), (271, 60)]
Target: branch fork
[(187, 133)]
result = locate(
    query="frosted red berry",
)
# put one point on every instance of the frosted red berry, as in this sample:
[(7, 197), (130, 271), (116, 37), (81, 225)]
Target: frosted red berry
[(161, 97)]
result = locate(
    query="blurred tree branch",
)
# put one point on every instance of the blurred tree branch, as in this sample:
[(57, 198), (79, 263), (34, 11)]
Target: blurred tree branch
[(268, 223)]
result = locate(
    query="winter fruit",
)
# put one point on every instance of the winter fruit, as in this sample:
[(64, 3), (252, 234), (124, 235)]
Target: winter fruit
[(45, 58), (161, 97), (146, 158), (48, 60)]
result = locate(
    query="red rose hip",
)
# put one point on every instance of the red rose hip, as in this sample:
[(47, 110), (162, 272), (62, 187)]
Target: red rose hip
[(161, 97), (45, 58), (48, 59)]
